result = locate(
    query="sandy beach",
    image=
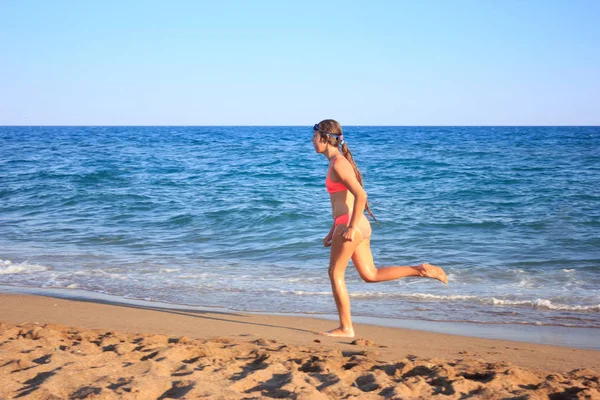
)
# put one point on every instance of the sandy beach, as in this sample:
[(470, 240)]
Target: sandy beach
[(54, 349)]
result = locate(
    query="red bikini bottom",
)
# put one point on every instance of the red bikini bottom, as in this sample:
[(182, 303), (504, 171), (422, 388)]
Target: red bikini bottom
[(342, 219), (363, 224)]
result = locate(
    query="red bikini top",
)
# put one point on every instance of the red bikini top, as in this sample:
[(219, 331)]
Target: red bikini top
[(333, 187)]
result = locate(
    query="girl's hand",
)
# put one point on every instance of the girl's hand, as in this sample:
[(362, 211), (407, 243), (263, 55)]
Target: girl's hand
[(348, 233), (327, 240)]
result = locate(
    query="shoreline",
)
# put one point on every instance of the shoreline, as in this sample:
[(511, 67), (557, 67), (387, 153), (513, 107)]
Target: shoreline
[(576, 337), (207, 323), (57, 348)]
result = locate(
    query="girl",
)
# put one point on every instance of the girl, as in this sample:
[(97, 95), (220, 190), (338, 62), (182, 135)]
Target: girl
[(350, 233)]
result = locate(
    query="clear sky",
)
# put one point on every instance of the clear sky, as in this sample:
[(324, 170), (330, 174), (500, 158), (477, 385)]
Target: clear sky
[(446, 62)]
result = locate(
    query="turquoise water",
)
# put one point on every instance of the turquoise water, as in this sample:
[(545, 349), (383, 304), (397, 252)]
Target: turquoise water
[(234, 217)]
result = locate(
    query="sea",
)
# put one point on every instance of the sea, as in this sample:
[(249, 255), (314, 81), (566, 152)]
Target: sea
[(234, 217)]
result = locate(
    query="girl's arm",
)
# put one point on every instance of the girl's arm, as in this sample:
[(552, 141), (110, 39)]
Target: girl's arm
[(332, 228), (329, 237)]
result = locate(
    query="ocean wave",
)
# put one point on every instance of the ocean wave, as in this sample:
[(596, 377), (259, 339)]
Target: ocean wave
[(7, 267), (181, 219), (102, 273), (168, 270), (305, 293), (367, 295), (420, 296), (545, 303), (537, 303)]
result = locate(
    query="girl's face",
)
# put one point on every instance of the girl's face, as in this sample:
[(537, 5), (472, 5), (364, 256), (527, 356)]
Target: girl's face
[(319, 145)]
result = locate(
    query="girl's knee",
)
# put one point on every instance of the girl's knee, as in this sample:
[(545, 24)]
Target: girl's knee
[(369, 277), (336, 273)]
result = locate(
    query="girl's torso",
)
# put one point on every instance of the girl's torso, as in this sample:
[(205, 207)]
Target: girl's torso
[(342, 200)]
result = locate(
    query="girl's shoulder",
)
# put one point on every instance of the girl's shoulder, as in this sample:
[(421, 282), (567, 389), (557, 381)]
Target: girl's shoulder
[(340, 165), (342, 161)]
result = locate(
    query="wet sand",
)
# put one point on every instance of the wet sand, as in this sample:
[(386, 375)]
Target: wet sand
[(54, 349)]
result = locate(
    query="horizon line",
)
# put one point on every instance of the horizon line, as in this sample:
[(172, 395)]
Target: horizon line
[(294, 126)]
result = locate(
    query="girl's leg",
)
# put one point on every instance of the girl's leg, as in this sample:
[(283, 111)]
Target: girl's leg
[(363, 261), (341, 251)]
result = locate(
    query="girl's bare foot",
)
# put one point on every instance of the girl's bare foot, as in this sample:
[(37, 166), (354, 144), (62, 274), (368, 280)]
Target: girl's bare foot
[(431, 271), (339, 332)]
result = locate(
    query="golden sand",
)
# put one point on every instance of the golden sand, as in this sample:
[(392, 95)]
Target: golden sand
[(46, 360)]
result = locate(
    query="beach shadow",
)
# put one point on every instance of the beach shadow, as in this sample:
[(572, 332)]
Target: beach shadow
[(250, 368), (86, 392), (34, 383), (188, 313), (178, 390), (273, 387)]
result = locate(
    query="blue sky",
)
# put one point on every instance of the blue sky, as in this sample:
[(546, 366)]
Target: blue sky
[(453, 62)]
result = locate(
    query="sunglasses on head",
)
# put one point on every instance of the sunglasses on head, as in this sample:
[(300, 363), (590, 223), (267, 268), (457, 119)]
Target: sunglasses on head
[(339, 137), (316, 128)]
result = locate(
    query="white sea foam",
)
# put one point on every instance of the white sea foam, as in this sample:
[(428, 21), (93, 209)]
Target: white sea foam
[(449, 275), (537, 303), (422, 296), (366, 295), (545, 303), (548, 304), (526, 283), (502, 302), (168, 270), (305, 293), (7, 267), (306, 279), (101, 272)]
